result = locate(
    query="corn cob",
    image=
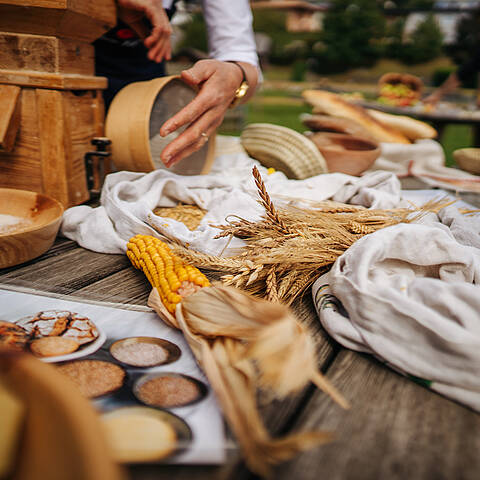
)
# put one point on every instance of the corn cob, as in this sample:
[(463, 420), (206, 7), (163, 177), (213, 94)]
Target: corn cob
[(173, 278)]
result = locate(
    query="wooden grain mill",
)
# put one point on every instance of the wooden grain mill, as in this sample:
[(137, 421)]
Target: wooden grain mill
[(51, 105)]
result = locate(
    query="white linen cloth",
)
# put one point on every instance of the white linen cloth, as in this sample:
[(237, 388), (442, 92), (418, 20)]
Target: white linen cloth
[(425, 160), (128, 199), (410, 295)]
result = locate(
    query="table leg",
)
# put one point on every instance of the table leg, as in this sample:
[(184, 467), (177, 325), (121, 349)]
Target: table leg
[(476, 135)]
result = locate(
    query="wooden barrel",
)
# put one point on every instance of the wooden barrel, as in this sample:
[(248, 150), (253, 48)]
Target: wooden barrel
[(133, 122)]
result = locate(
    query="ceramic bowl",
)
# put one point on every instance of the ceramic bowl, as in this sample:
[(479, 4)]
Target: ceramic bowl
[(29, 223), (346, 153)]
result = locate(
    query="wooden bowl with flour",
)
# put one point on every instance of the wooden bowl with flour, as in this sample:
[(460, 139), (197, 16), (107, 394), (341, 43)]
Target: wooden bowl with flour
[(29, 223)]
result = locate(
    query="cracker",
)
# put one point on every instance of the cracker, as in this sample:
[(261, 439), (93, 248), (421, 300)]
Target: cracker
[(53, 346)]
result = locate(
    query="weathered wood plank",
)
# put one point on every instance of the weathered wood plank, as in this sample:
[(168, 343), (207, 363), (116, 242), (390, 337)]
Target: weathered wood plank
[(127, 286), (396, 429), (67, 272), (9, 116)]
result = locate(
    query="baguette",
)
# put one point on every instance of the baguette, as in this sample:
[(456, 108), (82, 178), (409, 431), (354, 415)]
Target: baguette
[(333, 104), (411, 128), (325, 123)]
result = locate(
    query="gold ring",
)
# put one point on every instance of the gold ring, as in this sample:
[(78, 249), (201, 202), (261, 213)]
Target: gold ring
[(205, 136)]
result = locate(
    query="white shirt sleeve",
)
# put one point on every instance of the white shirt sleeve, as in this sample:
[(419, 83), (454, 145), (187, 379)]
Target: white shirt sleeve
[(230, 32)]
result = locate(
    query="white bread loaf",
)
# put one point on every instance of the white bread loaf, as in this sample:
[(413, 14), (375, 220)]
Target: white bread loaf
[(411, 128), (333, 104)]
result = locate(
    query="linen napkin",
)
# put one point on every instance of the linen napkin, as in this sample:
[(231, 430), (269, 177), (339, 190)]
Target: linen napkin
[(410, 295)]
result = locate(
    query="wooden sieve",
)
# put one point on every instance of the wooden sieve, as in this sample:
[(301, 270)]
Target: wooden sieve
[(134, 120)]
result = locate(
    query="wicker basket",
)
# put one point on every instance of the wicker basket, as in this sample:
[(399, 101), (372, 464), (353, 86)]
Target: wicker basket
[(283, 149), (468, 159), (411, 81)]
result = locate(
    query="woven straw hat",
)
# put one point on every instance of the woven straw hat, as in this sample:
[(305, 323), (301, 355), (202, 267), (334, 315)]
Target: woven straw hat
[(283, 149), (468, 159)]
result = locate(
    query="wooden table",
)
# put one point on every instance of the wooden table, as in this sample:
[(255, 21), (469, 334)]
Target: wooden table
[(396, 429)]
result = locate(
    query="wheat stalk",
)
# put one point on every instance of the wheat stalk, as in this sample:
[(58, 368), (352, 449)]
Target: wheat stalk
[(270, 209), (291, 246)]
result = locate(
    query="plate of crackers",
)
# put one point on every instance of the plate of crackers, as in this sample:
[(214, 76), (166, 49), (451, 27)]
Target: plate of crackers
[(52, 335)]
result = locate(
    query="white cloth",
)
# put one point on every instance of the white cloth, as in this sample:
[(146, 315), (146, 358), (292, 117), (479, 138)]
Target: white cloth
[(230, 32), (128, 200), (424, 159), (410, 295)]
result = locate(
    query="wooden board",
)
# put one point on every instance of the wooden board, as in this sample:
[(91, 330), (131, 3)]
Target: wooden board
[(56, 130), (9, 116), (45, 54), (21, 169), (51, 125), (73, 19), (396, 429), (52, 80)]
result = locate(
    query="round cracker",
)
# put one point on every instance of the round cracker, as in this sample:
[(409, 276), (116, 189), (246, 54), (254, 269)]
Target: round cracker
[(53, 346)]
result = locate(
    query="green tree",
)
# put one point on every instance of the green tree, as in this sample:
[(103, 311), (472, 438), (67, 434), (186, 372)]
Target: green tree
[(352, 36), (425, 42), (394, 39), (467, 41)]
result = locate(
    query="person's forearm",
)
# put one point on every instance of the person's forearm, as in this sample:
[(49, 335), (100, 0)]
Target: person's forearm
[(230, 35)]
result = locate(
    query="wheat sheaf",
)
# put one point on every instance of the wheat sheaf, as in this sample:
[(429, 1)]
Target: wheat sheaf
[(290, 247)]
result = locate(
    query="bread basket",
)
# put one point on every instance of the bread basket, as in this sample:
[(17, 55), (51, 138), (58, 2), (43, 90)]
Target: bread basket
[(415, 83), (468, 159), (283, 149)]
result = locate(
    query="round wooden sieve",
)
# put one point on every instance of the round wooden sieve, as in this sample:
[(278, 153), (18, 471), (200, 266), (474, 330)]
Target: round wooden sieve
[(134, 120)]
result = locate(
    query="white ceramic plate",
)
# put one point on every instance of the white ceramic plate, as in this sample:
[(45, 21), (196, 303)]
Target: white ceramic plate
[(82, 351)]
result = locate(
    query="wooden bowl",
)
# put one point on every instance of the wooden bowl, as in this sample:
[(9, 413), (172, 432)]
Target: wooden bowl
[(468, 159), (34, 232), (133, 123), (346, 153)]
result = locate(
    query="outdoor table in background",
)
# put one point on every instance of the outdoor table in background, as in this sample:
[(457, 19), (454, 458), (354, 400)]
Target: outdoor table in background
[(396, 428)]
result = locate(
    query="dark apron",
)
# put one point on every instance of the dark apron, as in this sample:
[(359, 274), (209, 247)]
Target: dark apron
[(121, 57)]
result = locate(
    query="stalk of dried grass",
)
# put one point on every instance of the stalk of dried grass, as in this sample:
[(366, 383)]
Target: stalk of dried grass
[(243, 342), (298, 243)]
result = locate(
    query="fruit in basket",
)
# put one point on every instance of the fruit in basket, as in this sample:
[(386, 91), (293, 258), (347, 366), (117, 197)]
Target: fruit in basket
[(399, 90), (397, 95)]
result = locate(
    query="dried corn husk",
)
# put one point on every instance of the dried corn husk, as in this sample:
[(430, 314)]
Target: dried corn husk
[(243, 342)]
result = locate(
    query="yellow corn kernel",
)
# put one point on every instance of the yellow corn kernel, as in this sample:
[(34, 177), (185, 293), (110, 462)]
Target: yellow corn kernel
[(164, 270)]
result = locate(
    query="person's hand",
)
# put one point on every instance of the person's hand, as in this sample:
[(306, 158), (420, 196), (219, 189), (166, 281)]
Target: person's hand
[(157, 40), (217, 82)]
